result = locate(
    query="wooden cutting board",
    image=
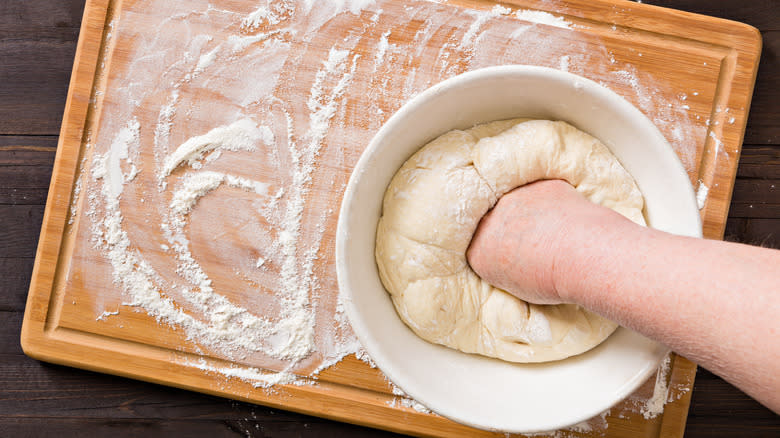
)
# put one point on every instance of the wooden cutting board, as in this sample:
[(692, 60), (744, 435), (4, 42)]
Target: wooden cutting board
[(692, 75)]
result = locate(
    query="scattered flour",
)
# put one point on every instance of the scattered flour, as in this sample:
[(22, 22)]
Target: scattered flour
[(655, 405), (482, 18), (381, 49), (362, 355), (75, 198), (716, 140), (631, 78), (206, 60), (564, 65), (196, 185), (240, 43), (541, 17), (190, 302), (162, 130), (404, 400), (207, 317), (411, 403), (701, 194), (240, 135), (108, 165), (258, 17), (253, 376), (103, 316)]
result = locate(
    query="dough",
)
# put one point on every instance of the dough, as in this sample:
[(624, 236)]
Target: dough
[(432, 208)]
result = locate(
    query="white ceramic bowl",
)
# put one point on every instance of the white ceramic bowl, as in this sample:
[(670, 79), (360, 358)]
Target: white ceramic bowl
[(470, 389)]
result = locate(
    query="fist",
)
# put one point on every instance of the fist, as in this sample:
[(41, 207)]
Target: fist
[(521, 245)]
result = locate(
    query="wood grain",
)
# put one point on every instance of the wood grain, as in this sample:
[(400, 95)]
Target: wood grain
[(758, 13), (49, 71), (744, 417), (755, 230), (759, 162), (37, 40), (15, 272), (38, 19), (58, 323), (10, 323), (764, 113), (18, 228)]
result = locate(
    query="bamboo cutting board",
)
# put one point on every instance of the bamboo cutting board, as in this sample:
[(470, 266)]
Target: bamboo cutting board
[(334, 78)]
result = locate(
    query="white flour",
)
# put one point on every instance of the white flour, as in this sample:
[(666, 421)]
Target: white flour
[(716, 140), (258, 17), (257, 378), (469, 38), (106, 314), (701, 194), (240, 135), (107, 166), (381, 49), (229, 124), (541, 17), (225, 326), (564, 65), (655, 406), (404, 400), (74, 201)]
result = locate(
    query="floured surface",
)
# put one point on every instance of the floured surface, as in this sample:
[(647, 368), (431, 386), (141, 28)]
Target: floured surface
[(220, 137)]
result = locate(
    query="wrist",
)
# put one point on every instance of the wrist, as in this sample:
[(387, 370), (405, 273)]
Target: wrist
[(564, 271), (585, 251)]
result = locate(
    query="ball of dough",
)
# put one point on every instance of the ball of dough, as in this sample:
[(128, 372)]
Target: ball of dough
[(432, 208)]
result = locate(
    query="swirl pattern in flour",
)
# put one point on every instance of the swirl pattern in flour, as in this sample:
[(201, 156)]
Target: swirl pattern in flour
[(239, 284), (432, 208)]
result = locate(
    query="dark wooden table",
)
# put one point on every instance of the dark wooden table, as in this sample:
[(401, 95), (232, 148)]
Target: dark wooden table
[(37, 45)]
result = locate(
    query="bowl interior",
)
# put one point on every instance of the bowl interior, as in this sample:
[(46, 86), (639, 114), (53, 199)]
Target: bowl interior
[(478, 391)]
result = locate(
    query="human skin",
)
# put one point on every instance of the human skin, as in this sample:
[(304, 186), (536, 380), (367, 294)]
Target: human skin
[(716, 303)]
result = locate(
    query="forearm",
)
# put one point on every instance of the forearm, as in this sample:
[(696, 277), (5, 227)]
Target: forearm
[(713, 302)]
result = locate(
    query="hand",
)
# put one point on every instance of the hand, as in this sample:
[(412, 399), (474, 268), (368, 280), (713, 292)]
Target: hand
[(547, 244), (520, 245)]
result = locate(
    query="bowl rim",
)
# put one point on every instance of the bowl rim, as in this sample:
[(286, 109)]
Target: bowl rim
[(364, 335)]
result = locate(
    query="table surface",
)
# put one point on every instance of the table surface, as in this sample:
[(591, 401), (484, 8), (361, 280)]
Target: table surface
[(37, 44)]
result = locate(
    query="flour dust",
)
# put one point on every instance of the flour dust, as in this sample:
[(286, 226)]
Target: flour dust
[(213, 181)]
